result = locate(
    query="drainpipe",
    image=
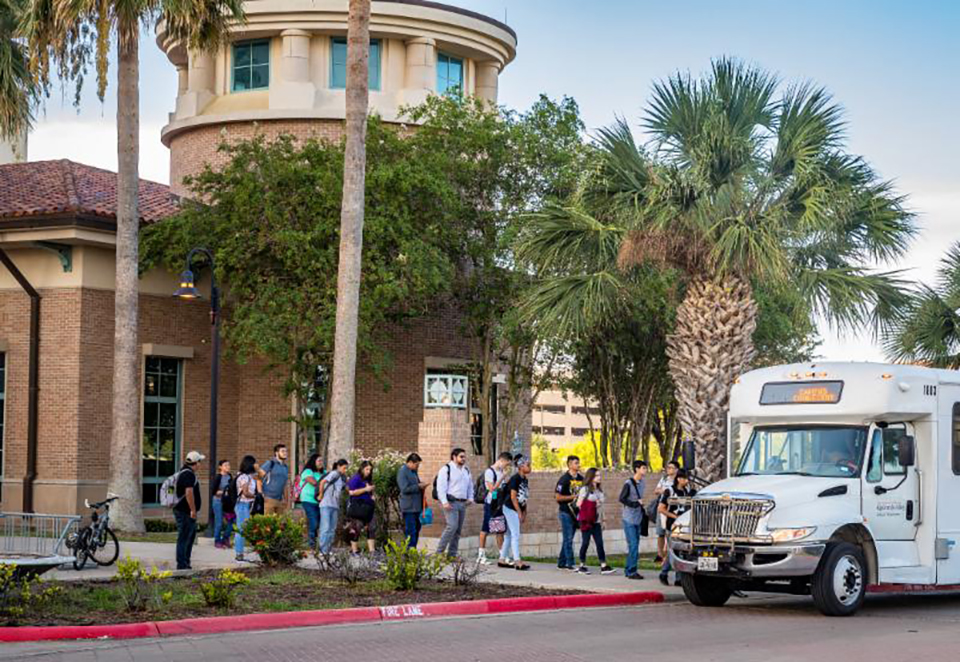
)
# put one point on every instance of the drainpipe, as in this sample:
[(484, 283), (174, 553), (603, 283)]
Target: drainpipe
[(33, 386)]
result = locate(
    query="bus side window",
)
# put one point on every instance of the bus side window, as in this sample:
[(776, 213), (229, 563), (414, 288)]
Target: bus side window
[(955, 448), (875, 460)]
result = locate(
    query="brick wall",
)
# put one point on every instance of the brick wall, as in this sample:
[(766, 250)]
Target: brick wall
[(192, 149)]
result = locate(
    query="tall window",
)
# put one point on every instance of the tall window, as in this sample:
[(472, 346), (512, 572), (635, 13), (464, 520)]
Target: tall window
[(338, 64), (162, 394), (251, 65), (449, 74), (3, 394), (955, 448)]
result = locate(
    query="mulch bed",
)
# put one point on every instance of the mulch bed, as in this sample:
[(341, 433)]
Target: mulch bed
[(97, 602)]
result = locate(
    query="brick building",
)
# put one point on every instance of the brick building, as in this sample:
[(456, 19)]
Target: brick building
[(283, 73)]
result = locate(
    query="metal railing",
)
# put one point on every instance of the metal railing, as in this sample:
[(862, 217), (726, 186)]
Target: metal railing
[(25, 536)]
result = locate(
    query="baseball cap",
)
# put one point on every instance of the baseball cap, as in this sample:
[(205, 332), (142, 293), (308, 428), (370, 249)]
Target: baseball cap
[(193, 457)]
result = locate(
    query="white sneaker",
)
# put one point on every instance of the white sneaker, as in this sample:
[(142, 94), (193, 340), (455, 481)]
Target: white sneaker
[(482, 559)]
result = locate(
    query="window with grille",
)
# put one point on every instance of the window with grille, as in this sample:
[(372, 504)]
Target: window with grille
[(449, 74), (445, 391), (251, 65), (162, 400), (338, 64)]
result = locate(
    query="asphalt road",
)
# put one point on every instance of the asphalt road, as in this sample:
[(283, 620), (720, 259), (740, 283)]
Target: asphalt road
[(780, 630)]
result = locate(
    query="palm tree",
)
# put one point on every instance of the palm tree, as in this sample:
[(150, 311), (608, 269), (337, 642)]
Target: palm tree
[(740, 185), (928, 330), (343, 393), (67, 34), (17, 90)]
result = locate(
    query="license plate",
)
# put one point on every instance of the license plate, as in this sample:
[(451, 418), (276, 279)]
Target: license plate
[(708, 564)]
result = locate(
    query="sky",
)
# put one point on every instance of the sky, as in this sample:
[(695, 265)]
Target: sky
[(892, 65)]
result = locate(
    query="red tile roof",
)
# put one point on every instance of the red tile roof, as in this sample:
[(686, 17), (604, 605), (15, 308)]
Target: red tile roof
[(45, 188)]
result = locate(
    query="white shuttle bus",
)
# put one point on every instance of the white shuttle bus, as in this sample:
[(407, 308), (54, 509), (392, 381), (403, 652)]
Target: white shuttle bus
[(844, 478)]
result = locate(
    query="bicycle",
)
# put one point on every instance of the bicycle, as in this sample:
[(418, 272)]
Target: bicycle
[(96, 540)]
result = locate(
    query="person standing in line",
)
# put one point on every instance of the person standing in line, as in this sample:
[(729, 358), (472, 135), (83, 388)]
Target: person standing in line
[(309, 480), (567, 489), (361, 510), (516, 495), (274, 475), (411, 498), (590, 502), (330, 488), (247, 486), (221, 529), (455, 492), (631, 496), (666, 481), (493, 477), (188, 504), (670, 512)]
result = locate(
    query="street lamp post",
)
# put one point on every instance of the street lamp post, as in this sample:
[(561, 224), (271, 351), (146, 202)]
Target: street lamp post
[(188, 290)]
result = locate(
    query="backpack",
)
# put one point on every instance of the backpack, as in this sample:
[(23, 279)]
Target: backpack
[(587, 515), (480, 488), (229, 498), (297, 488), (168, 491), (436, 495)]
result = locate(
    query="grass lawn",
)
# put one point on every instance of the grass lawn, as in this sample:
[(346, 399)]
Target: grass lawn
[(615, 561), (270, 590)]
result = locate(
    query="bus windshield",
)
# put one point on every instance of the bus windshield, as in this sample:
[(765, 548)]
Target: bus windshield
[(825, 451)]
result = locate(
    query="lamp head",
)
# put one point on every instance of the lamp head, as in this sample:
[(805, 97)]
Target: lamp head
[(187, 289)]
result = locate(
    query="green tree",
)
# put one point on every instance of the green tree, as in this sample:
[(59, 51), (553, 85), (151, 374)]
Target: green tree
[(744, 182), (17, 89), (272, 217), (928, 330)]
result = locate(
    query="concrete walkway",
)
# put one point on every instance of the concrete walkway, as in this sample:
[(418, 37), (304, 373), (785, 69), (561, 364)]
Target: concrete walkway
[(542, 575)]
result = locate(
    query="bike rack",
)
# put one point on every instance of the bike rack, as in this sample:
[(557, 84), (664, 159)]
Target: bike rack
[(35, 542)]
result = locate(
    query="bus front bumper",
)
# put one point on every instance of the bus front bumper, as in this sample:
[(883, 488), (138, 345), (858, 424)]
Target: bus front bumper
[(748, 561)]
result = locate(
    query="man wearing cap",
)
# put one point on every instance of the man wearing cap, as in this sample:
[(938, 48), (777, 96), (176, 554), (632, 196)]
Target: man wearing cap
[(188, 505)]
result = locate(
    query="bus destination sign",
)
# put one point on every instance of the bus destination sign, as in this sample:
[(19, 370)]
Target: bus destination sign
[(801, 393)]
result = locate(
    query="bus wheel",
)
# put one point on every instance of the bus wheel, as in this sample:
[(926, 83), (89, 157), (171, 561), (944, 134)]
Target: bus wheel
[(840, 583), (706, 591)]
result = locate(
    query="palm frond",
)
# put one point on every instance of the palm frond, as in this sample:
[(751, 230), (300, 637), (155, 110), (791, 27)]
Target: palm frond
[(569, 306), (18, 93), (808, 125), (561, 238), (850, 297)]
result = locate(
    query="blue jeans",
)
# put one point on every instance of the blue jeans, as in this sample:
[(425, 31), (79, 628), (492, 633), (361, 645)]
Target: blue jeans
[(312, 511), (242, 510), (511, 539), (186, 535), (221, 533), (411, 528), (568, 527), (595, 532), (328, 527), (632, 534)]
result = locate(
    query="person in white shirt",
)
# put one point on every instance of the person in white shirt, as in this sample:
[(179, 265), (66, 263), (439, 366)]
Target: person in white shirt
[(455, 492), (493, 478), (666, 481)]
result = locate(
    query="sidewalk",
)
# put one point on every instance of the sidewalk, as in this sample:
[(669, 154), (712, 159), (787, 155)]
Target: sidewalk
[(540, 575)]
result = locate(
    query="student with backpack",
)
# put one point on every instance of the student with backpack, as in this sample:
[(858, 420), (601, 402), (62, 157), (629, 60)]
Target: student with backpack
[(412, 498), (568, 487), (330, 489), (516, 493), (486, 492), (454, 490), (245, 486), (669, 512), (274, 475), (633, 516), (308, 482), (186, 508), (590, 517), (219, 498)]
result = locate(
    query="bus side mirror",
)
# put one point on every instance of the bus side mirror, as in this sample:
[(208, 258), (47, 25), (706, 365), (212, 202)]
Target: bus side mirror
[(689, 454), (907, 451)]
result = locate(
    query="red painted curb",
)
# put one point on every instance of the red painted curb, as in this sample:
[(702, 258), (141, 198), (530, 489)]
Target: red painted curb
[(246, 622)]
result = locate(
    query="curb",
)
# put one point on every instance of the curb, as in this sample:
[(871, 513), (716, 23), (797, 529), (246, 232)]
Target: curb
[(293, 619)]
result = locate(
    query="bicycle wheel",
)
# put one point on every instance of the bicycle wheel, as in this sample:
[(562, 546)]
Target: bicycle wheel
[(80, 552), (105, 550)]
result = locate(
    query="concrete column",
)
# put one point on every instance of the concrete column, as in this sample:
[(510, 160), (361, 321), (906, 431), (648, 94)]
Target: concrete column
[(182, 76), (294, 88), (488, 74), (421, 70), (200, 76)]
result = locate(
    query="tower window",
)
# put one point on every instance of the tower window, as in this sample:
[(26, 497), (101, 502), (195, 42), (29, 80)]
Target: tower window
[(251, 65)]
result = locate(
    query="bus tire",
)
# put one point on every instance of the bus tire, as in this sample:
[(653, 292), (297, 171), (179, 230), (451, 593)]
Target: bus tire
[(706, 591), (839, 585)]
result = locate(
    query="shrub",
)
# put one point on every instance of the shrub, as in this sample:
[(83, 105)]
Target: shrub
[(277, 539), (139, 587), (160, 525), (21, 593), (466, 573), (406, 566), (348, 568), (222, 591)]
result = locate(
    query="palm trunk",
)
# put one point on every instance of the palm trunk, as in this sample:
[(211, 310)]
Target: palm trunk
[(125, 479), (343, 396), (711, 346)]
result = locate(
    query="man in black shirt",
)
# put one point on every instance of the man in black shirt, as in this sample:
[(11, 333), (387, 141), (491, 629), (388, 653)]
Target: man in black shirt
[(188, 505), (567, 489), (669, 512)]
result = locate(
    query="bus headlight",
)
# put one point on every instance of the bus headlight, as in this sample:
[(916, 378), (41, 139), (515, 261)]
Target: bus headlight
[(791, 535)]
